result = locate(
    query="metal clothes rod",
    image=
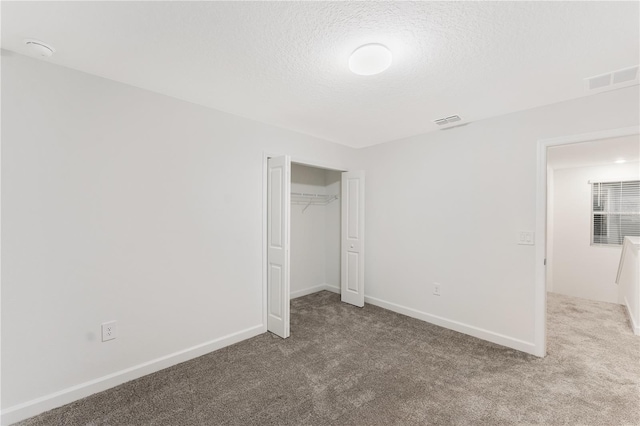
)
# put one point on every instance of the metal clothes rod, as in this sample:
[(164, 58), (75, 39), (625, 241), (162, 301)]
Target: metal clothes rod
[(305, 194), (309, 199)]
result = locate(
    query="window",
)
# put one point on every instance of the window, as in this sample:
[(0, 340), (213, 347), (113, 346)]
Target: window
[(615, 211)]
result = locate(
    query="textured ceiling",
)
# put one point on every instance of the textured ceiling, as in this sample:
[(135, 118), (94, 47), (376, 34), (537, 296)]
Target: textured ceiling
[(285, 63), (596, 153)]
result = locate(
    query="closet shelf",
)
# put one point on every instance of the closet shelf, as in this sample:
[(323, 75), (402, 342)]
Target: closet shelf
[(301, 198)]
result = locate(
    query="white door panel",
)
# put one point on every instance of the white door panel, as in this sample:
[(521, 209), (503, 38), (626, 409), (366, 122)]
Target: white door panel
[(352, 274), (278, 209)]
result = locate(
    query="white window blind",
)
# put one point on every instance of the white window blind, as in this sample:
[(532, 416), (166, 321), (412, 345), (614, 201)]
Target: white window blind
[(615, 211)]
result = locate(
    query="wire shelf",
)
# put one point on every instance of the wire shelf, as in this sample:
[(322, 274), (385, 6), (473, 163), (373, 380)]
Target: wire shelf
[(301, 198)]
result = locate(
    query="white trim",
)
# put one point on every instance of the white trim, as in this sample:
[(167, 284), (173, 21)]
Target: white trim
[(540, 304), (0, 248), (265, 166), (470, 330), (540, 288), (74, 393), (586, 137), (314, 289), (622, 256), (307, 291), (634, 326), (332, 288), (316, 164)]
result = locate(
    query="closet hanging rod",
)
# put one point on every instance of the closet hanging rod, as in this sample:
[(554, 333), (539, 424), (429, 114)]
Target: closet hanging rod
[(305, 194), (315, 198), (308, 199)]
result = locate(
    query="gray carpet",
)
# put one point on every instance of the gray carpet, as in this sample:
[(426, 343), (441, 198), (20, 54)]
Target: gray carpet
[(348, 366)]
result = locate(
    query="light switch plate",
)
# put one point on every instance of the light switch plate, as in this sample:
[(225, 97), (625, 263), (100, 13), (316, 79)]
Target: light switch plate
[(526, 238), (437, 289)]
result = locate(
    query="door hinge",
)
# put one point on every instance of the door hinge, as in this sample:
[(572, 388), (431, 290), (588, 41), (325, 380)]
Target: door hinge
[(545, 262)]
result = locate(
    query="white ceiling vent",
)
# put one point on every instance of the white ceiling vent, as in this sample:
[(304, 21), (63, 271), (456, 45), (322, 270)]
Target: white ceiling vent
[(447, 120), (599, 81), (626, 76), (622, 76)]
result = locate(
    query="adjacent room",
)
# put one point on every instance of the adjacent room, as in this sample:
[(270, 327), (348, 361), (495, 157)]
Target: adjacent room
[(321, 213), (593, 203)]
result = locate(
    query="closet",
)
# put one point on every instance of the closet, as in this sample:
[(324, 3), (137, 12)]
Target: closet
[(315, 230), (314, 236)]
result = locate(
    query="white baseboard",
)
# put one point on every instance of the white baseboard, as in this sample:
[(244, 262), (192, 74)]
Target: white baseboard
[(480, 333), (332, 288), (57, 399), (307, 291), (634, 325), (65, 396), (314, 289)]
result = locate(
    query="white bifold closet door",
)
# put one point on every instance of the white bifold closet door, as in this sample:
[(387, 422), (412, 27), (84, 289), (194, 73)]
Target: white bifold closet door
[(352, 264), (278, 272), (278, 231)]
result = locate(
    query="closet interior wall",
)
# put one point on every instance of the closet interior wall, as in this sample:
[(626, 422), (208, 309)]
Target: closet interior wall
[(315, 231)]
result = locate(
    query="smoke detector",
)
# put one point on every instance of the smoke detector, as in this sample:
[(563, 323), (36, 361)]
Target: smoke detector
[(39, 48), (447, 120)]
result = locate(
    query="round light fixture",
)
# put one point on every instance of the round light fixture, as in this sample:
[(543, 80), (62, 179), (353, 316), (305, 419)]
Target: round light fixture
[(620, 161), (370, 59), (39, 48)]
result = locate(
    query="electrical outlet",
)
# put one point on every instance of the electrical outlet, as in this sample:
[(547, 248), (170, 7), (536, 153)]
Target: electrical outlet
[(109, 330), (436, 289)]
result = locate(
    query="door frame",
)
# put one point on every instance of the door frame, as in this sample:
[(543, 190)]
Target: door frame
[(540, 304), (265, 168)]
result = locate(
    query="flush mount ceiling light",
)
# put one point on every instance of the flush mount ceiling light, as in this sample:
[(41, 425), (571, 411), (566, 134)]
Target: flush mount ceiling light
[(370, 59), (620, 161), (39, 48)]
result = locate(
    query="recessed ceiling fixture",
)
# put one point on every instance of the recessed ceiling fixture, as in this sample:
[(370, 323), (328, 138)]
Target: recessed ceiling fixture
[(620, 161), (370, 59), (39, 48)]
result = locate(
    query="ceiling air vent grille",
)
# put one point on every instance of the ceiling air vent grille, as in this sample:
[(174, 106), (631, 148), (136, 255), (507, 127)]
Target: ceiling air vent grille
[(613, 79), (622, 76), (447, 120)]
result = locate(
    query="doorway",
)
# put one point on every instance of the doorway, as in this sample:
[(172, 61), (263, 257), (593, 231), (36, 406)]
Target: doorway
[(590, 208), (542, 221), (312, 186)]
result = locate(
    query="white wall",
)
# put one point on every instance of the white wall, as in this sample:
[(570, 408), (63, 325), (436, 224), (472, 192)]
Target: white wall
[(333, 226), (550, 227), (121, 204), (629, 281), (446, 206), (315, 233), (580, 269), (307, 254)]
